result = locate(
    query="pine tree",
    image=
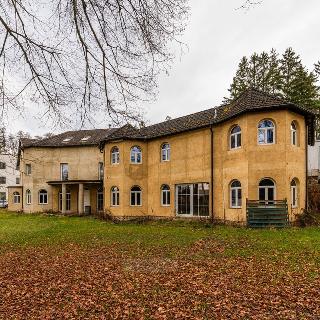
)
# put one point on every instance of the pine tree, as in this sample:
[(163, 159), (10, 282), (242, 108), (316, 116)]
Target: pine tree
[(240, 81), (317, 69), (290, 68), (274, 74), (286, 77)]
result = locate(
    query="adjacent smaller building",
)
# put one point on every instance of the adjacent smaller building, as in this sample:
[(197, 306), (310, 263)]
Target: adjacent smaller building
[(9, 176), (63, 173)]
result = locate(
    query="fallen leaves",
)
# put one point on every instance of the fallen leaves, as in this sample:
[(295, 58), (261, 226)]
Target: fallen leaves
[(102, 282)]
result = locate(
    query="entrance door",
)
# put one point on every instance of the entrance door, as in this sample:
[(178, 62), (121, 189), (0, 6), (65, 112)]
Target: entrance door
[(86, 201)]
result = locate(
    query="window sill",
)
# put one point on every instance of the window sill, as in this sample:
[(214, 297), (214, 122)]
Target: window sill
[(235, 207), (266, 144), (134, 205), (166, 205)]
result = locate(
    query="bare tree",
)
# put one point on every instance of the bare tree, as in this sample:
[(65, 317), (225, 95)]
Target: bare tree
[(86, 56)]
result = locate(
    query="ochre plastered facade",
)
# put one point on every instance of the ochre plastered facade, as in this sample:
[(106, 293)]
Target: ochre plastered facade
[(191, 163), (83, 163), (197, 156)]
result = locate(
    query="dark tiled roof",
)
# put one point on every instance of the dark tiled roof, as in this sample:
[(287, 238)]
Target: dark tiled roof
[(250, 100), (70, 139)]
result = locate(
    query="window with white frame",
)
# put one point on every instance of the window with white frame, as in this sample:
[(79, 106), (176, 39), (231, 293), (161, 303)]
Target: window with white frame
[(2, 165), (192, 199), (28, 197), (235, 137), (235, 194), (136, 155), (267, 190), (16, 197), (136, 196), (43, 196), (165, 195), (115, 197), (64, 171), (17, 180), (294, 193), (115, 155), (3, 180), (165, 152), (266, 132), (28, 169), (68, 201), (294, 134), (100, 170), (100, 199)]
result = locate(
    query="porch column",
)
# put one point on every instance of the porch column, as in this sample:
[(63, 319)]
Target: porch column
[(64, 199), (80, 199)]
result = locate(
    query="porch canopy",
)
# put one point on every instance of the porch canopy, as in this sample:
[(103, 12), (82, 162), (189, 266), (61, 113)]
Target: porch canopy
[(81, 183)]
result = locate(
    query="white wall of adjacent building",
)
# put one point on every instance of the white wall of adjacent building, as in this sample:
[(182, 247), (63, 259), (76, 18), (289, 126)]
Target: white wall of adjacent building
[(9, 176), (314, 159)]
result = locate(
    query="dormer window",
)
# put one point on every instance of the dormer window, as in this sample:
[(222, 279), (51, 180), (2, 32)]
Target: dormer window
[(85, 138), (67, 139)]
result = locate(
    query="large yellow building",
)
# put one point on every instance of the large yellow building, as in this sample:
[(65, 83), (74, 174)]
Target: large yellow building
[(209, 163), (205, 164)]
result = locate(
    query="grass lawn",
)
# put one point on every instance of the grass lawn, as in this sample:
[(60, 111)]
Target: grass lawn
[(82, 268)]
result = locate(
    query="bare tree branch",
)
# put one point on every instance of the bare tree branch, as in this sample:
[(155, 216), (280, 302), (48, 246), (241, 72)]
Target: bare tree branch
[(86, 57)]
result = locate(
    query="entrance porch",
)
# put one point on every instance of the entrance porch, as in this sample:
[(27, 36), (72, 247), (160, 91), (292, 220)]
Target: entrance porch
[(83, 197)]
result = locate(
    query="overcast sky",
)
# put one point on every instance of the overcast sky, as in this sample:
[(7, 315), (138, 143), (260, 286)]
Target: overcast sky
[(218, 36)]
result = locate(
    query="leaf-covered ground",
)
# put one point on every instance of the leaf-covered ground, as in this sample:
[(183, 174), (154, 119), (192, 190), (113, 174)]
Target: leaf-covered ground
[(81, 268)]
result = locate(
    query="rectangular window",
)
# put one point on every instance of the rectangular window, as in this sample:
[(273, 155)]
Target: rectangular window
[(100, 171), (3, 196), (236, 198), (68, 201), (43, 198), (165, 201), (192, 199), (64, 171), (28, 169), (3, 180), (100, 201), (17, 180), (2, 165)]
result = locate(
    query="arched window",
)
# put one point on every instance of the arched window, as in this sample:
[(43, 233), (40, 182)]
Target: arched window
[(16, 197), (165, 195), (115, 155), (235, 194), (294, 134), (115, 197), (165, 152), (136, 196), (43, 196), (266, 132), (267, 190), (294, 193), (235, 137), (136, 155), (28, 197)]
